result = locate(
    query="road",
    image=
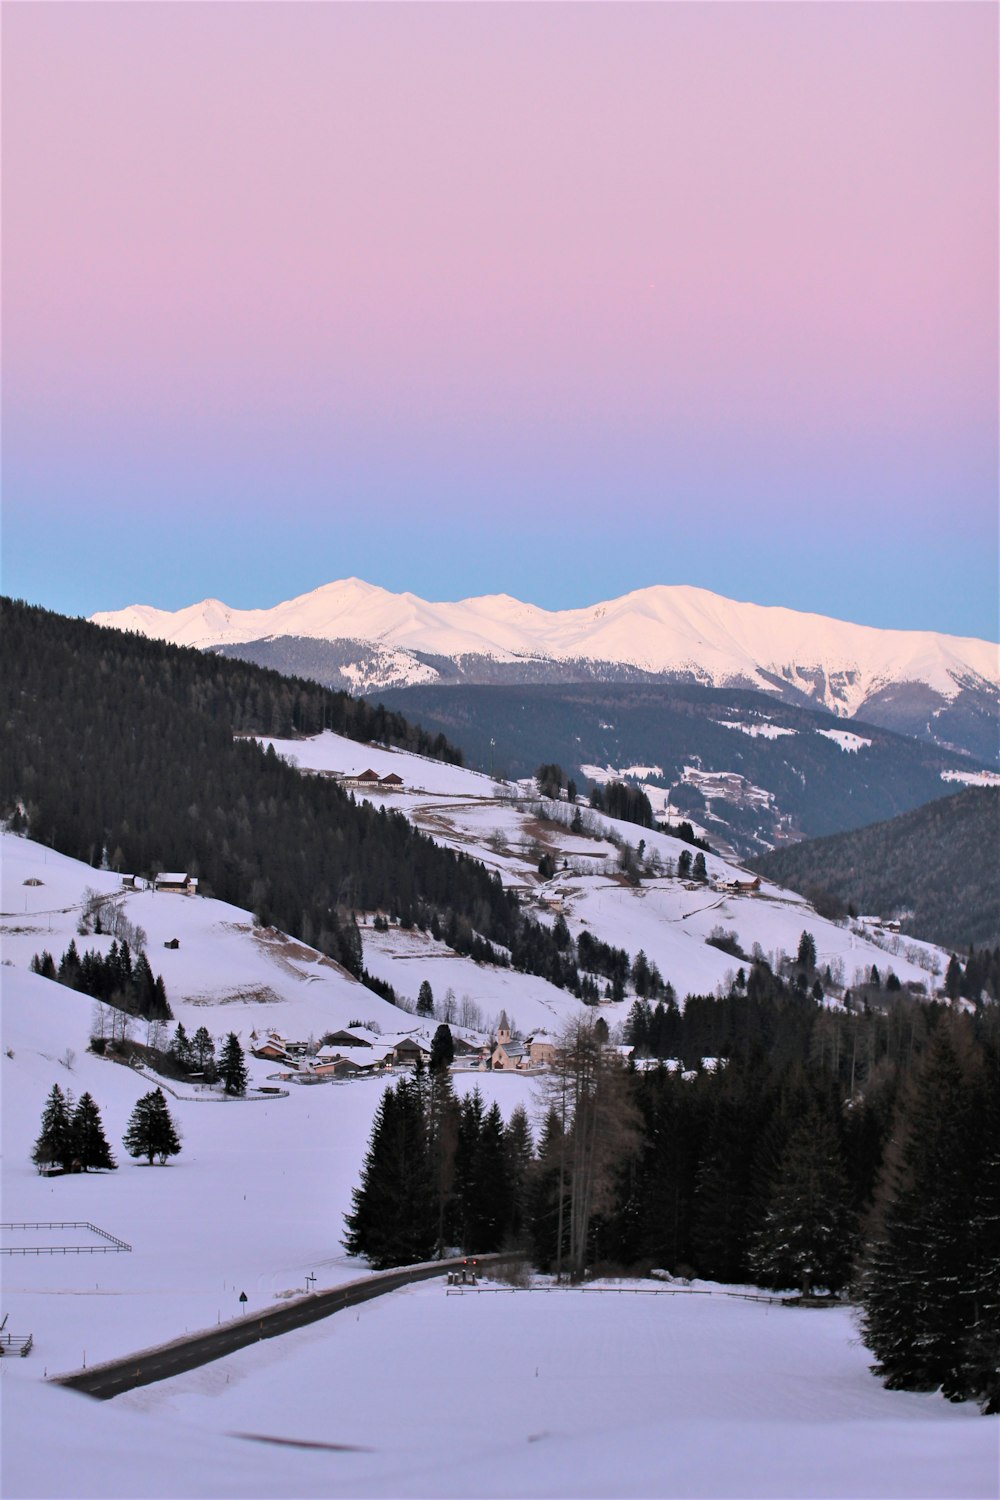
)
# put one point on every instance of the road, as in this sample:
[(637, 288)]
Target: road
[(149, 1365)]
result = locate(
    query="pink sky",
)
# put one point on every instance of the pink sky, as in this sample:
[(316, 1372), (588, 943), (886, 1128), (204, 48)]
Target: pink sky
[(671, 263)]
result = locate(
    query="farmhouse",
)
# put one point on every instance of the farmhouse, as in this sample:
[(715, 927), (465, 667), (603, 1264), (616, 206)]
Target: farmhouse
[(344, 1039), (366, 779), (408, 1051), (541, 1050), (739, 887), (177, 881)]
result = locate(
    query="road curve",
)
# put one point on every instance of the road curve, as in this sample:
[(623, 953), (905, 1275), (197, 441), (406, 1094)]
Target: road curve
[(149, 1365)]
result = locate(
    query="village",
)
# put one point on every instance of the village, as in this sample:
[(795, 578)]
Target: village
[(360, 1053)]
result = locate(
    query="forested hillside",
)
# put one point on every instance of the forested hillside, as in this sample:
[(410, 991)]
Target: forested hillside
[(804, 773), (936, 868), (121, 749)]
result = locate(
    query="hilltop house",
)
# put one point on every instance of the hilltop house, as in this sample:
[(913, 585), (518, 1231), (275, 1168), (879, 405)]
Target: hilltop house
[(737, 887), (178, 881)]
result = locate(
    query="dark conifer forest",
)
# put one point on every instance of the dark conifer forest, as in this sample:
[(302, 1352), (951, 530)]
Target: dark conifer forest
[(937, 867), (127, 751)]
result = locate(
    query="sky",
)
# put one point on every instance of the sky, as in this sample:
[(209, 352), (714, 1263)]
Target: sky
[(555, 300)]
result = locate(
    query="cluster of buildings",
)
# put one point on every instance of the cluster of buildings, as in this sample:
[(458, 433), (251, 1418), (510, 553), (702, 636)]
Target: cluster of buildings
[(346, 1054), (177, 881), (367, 781)]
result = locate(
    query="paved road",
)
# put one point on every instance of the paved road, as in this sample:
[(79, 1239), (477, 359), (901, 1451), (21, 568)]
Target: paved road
[(150, 1365)]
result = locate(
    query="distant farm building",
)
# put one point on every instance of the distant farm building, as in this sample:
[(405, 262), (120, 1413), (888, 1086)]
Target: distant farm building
[(179, 882), (739, 887)]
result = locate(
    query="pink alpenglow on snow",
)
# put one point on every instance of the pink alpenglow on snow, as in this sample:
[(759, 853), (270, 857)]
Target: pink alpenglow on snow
[(350, 288)]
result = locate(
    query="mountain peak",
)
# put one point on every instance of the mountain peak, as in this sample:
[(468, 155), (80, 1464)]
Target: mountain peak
[(665, 630)]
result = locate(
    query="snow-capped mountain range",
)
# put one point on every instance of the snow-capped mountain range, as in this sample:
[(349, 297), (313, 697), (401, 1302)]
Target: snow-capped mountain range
[(663, 631)]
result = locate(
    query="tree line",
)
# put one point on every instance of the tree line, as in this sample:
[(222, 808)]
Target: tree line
[(115, 978), (117, 750), (793, 1158)]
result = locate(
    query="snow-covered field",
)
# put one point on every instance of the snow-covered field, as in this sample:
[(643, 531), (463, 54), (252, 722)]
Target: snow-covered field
[(634, 1395), (503, 1393)]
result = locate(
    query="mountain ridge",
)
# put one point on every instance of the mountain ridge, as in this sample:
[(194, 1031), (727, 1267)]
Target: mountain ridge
[(668, 632)]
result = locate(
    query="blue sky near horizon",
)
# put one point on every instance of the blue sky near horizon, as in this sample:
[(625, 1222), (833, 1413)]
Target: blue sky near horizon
[(555, 301)]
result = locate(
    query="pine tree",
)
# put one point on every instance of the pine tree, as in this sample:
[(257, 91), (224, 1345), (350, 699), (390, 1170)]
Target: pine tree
[(55, 1145), (232, 1066), (425, 999), (203, 1050), (546, 1206), (488, 1197), (519, 1149), (92, 1149), (806, 957), (980, 1367), (442, 1048), (915, 1288), (442, 1112), (806, 1238), (180, 1047), (393, 1221), (150, 1131)]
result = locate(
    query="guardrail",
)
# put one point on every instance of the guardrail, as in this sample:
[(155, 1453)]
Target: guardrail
[(115, 1246)]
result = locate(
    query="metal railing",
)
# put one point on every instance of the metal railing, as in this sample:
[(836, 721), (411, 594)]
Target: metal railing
[(113, 1246)]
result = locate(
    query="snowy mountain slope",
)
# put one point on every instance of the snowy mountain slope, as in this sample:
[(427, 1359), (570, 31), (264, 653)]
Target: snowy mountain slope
[(255, 1201), (497, 822), (255, 1204), (668, 631)]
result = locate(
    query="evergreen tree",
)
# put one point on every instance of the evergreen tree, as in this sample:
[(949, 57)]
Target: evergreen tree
[(55, 1145), (519, 1150), (232, 1066), (488, 1190), (150, 1131), (203, 1050), (43, 964), (546, 1206), (394, 1219), (180, 1047), (91, 1146), (981, 1353), (917, 1300), (442, 1143), (442, 1048), (425, 999), (806, 957), (698, 870), (806, 1238), (684, 864)]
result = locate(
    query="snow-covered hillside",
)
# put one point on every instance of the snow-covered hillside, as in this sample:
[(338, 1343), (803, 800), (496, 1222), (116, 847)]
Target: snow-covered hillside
[(736, 1397), (256, 1199), (671, 630), (668, 919)]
